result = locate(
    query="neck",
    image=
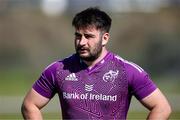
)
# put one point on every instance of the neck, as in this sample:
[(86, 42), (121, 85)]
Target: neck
[(90, 64)]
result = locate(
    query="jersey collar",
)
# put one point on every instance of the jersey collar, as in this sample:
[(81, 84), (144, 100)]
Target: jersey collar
[(97, 65)]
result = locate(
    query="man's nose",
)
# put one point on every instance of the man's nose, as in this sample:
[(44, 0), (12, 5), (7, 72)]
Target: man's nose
[(83, 41)]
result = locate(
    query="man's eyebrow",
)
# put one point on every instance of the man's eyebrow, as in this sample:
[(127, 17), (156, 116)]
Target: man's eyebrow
[(76, 33), (86, 34), (89, 34)]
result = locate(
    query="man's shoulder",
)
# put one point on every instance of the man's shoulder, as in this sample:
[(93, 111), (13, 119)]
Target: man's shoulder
[(117, 59), (62, 62), (128, 65), (71, 58)]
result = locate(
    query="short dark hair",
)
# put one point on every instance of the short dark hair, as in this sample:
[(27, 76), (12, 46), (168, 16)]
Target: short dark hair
[(92, 16)]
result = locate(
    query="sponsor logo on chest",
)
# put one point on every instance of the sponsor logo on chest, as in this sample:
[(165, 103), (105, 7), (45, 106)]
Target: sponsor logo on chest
[(71, 77), (109, 76)]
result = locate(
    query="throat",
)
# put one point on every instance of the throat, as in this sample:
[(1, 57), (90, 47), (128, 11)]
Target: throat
[(93, 63)]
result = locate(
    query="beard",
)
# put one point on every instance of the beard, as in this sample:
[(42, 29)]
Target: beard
[(91, 53)]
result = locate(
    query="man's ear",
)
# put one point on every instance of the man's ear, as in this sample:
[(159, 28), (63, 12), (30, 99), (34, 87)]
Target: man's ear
[(105, 38)]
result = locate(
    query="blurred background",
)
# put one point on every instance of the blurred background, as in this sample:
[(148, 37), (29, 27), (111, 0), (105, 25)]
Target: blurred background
[(34, 33)]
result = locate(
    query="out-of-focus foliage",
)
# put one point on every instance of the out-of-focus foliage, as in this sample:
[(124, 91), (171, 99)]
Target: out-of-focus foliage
[(29, 38)]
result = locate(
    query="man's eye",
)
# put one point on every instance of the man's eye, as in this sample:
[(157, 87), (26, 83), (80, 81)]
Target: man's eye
[(78, 36), (88, 36)]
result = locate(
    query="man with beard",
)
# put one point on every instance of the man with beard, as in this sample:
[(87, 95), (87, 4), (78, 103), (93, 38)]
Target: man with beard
[(94, 83)]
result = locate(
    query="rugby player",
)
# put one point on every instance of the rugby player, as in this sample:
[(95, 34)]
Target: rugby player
[(94, 83)]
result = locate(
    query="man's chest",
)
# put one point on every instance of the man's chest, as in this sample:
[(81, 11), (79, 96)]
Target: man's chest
[(103, 84), (100, 92)]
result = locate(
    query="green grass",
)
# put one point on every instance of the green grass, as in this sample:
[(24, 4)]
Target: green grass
[(16, 82), (143, 115), (56, 116)]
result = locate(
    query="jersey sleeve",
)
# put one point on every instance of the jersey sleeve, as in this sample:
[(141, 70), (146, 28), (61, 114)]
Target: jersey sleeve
[(45, 85), (140, 84)]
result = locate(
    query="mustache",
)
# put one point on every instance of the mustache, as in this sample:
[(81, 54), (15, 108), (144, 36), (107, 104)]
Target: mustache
[(82, 48)]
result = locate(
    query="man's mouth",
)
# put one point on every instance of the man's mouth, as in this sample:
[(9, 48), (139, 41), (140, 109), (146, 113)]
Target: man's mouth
[(82, 50)]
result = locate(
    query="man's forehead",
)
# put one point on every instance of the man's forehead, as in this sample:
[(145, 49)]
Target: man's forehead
[(89, 29)]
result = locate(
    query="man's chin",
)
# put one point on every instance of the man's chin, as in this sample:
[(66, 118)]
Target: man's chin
[(87, 58), (84, 56)]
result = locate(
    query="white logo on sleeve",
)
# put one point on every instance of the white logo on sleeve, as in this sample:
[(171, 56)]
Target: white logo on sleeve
[(71, 77), (88, 87), (110, 76)]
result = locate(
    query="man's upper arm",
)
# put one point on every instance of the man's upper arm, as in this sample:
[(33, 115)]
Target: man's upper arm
[(156, 98), (34, 98)]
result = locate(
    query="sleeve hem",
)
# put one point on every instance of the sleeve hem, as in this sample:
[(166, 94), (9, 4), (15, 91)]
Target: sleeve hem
[(42, 92), (144, 92)]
